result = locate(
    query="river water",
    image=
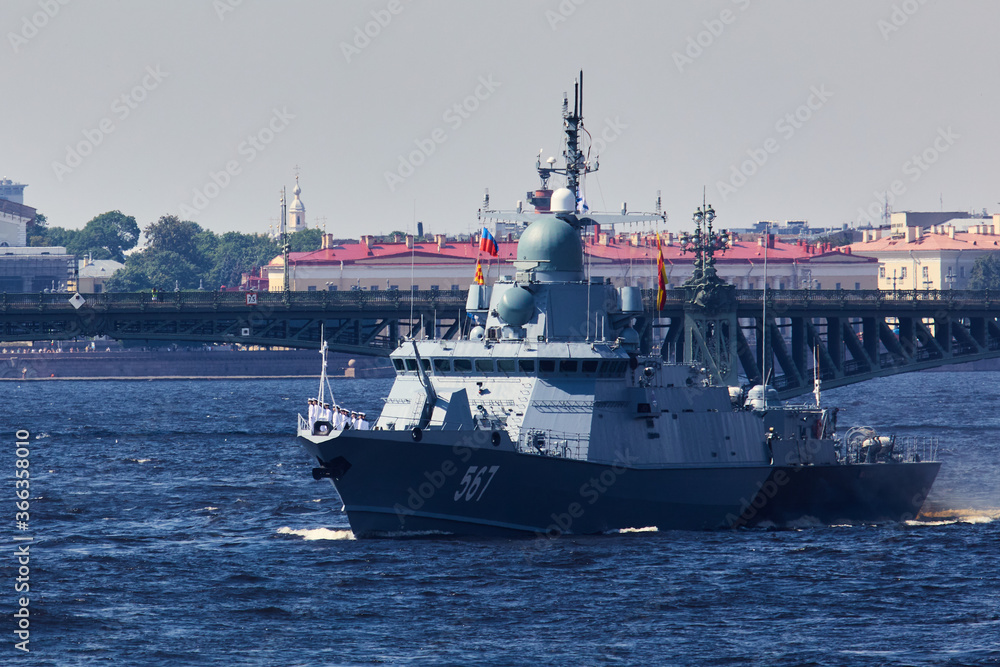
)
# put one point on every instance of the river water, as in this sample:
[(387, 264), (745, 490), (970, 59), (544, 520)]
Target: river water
[(176, 523)]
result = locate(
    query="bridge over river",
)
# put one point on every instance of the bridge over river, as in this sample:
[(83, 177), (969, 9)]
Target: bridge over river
[(849, 335)]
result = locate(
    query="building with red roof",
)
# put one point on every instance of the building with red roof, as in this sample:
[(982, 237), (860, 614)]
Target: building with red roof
[(627, 259)]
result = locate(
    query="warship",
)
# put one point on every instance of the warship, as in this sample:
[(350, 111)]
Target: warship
[(545, 418)]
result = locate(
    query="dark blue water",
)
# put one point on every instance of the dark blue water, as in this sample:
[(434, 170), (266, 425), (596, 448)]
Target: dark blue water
[(176, 523)]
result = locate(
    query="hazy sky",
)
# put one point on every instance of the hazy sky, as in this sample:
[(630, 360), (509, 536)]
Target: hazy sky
[(782, 109)]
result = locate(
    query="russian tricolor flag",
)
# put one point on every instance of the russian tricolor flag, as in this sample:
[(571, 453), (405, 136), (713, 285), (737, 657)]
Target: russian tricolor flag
[(488, 244)]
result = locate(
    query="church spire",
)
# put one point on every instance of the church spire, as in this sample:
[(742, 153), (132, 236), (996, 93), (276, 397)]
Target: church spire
[(297, 210)]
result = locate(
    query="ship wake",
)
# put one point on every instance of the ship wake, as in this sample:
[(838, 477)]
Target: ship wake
[(944, 517), (311, 534)]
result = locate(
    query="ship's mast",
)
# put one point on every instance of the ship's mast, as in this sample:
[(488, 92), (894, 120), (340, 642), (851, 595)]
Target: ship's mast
[(577, 165)]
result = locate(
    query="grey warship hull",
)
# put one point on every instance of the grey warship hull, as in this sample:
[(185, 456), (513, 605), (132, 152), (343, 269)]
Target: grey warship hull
[(391, 485)]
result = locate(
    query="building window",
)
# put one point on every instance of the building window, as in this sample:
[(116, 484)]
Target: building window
[(311, 288), (819, 285), (961, 272), (881, 272), (857, 285), (373, 288), (394, 287), (331, 288), (454, 288), (435, 288), (98, 288), (926, 272), (838, 286), (902, 273)]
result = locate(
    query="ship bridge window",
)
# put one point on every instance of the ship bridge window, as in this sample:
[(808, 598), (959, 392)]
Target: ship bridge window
[(463, 365), (442, 365), (546, 365), (398, 363), (411, 364), (484, 365), (506, 365), (613, 368), (568, 366), (426, 363), (589, 365), (526, 365)]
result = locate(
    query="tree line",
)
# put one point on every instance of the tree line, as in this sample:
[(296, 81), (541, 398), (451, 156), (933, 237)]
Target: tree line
[(176, 252)]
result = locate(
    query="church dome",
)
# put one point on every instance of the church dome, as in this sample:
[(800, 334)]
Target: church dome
[(552, 244)]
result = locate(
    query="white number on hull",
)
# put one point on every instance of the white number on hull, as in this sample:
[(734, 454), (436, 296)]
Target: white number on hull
[(472, 481)]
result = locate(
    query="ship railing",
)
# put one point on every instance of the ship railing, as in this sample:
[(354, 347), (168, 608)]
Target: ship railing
[(545, 442), (920, 448), (303, 423)]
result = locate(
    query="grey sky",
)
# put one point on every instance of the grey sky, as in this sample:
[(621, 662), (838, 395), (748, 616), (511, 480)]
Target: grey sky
[(199, 81)]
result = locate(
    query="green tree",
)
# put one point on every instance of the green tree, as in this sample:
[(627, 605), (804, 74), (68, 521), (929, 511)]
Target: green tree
[(985, 272), (172, 233), (151, 268), (237, 254), (107, 236), (306, 240)]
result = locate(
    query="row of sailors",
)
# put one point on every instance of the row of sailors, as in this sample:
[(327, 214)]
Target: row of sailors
[(338, 417)]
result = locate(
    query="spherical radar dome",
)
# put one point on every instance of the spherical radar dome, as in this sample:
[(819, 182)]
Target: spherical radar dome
[(554, 244), (517, 306)]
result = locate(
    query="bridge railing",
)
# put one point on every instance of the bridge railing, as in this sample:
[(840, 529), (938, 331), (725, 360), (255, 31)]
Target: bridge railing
[(396, 299), (353, 299), (842, 297)]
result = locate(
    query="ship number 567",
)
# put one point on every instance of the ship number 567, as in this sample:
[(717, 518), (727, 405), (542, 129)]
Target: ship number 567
[(475, 482)]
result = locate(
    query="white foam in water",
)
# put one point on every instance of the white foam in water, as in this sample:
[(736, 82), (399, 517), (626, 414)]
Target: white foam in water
[(948, 517), (317, 533), (647, 529)]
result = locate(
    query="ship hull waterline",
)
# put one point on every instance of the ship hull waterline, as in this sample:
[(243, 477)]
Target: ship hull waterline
[(391, 485)]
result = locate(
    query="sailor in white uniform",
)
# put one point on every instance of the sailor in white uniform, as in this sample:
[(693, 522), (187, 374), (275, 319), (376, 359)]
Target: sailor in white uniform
[(313, 407), (363, 423), (338, 419)]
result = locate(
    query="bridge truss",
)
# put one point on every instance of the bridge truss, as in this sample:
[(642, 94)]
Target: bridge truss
[(844, 336)]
